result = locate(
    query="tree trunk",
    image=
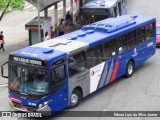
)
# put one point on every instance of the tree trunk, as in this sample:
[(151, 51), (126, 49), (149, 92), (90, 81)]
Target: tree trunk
[(4, 11)]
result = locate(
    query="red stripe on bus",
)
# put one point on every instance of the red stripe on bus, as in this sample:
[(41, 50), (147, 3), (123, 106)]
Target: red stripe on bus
[(114, 73)]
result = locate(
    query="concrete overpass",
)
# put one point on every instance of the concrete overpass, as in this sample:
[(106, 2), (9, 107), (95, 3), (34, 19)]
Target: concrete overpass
[(45, 4)]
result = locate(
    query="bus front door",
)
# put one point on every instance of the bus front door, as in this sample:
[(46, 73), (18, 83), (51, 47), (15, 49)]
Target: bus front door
[(59, 86)]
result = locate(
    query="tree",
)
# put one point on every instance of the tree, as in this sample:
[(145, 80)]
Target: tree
[(14, 4)]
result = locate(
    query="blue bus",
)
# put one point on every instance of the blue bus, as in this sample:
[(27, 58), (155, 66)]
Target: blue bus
[(96, 10), (60, 72)]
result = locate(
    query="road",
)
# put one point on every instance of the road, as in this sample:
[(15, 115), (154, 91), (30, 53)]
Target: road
[(141, 92)]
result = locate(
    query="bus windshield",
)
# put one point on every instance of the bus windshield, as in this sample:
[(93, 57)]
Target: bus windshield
[(28, 80), (88, 19)]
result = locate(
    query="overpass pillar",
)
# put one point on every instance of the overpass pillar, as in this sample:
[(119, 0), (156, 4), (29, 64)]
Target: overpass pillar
[(55, 18), (46, 13), (64, 9), (71, 5)]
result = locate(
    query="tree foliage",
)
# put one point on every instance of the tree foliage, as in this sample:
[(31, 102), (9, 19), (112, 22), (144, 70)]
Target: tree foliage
[(13, 4)]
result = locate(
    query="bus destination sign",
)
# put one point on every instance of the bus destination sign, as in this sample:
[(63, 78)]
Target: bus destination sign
[(94, 11), (27, 61)]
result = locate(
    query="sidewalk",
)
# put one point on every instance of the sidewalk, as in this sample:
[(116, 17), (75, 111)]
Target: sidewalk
[(16, 37)]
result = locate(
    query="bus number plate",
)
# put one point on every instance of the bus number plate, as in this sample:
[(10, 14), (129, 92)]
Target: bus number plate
[(24, 108)]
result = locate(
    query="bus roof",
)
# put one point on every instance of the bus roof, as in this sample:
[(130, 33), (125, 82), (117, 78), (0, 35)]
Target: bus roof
[(100, 4), (89, 35), (100, 31)]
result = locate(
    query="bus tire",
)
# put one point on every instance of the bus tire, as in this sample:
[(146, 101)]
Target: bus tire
[(75, 98), (129, 69)]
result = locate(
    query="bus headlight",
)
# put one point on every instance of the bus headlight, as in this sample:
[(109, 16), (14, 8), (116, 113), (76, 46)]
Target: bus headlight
[(40, 105), (43, 104)]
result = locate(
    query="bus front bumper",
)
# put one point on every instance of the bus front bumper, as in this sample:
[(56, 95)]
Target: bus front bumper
[(46, 110)]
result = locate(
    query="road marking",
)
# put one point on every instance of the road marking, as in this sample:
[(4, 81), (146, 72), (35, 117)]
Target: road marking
[(28, 6), (4, 85)]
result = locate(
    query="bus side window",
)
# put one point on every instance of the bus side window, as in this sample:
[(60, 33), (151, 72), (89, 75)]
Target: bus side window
[(149, 31), (76, 63), (58, 73), (122, 44), (141, 35), (94, 56), (109, 49), (131, 38)]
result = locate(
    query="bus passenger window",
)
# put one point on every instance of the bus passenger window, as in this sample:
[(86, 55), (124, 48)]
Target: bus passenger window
[(122, 44), (141, 35), (149, 31), (109, 49), (76, 63), (94, 56), (131, 39)]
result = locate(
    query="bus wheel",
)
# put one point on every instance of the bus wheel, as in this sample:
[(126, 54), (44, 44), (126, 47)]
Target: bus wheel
[(129, 69), (75, 98)]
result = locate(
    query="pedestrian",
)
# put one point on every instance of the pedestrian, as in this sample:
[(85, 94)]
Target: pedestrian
[(46, 36), (52, 32), (61, 27), (2, 41), (68, 19)]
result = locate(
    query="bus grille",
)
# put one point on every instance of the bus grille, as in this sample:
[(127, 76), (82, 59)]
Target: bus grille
[(18, 105)]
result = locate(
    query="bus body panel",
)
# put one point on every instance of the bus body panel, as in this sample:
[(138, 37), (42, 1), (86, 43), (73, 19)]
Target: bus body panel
[(144, 51), (81, 80), (60, 98), (59, 92), (94, 77)]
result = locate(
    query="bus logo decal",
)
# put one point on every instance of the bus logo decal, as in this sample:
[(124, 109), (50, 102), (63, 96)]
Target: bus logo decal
[(135, 53), (104, 74), (92, 73), (95, 76), (150, 44), (101, 80)]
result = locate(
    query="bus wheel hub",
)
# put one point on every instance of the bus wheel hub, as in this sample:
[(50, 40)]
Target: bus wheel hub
[(74, 98)]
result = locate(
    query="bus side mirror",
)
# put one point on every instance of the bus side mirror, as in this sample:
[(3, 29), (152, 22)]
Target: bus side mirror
[(2, 71)]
